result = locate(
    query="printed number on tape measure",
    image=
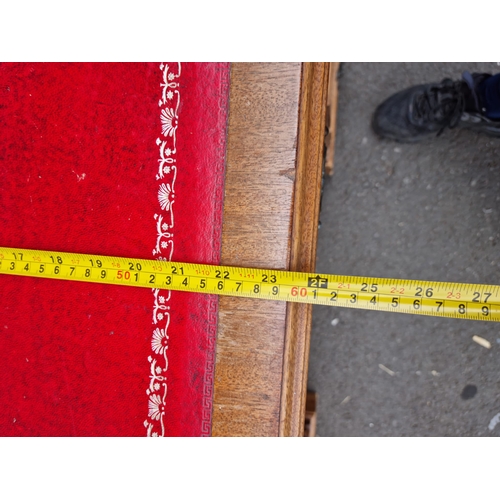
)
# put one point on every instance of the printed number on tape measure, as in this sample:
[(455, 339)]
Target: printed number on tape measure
[(458, 300)]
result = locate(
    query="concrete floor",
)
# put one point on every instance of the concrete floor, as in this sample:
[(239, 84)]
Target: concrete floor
[(428, 211)]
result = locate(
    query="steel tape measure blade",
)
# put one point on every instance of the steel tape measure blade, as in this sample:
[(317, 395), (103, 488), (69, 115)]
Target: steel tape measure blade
[(430, 298)]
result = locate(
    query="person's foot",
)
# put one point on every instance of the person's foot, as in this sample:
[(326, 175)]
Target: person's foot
[(427, 110)]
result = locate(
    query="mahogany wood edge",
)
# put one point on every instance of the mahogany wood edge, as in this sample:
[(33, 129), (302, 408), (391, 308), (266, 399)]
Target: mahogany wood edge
[(310, 147), (331, 118), (251, 406)]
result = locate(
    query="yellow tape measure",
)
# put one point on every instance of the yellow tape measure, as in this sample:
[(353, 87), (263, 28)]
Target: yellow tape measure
[(432, 298)]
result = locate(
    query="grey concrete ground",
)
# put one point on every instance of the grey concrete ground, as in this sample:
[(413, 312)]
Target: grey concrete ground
[(428, 211)]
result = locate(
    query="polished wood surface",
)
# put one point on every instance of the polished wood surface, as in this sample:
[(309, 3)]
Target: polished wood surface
[(306, 203), (270, 218)]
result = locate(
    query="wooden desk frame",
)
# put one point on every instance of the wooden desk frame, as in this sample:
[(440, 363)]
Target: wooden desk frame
[(273, 183)]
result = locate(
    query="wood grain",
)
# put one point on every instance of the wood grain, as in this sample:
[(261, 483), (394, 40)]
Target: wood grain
[(261, 183), (262, 132), (307, 194)]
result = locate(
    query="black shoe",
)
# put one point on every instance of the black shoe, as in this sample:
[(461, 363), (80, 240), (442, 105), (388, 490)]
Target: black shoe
[(427, 110)]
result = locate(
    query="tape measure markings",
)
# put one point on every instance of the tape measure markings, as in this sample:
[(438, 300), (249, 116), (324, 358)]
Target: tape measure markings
[(459, 300)]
